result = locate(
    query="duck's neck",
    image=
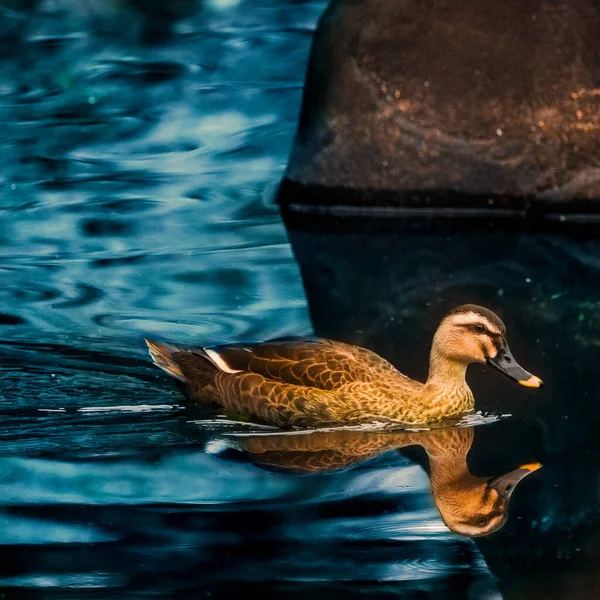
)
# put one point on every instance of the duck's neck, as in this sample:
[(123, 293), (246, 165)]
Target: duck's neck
[(444, 371), (452, 484), (446, 390), (447, 450)]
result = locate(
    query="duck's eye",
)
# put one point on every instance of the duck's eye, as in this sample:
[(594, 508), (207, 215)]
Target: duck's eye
[(479, 328), (482, 522)]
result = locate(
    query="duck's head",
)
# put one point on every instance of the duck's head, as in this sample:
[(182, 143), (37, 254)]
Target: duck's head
[(473, 334), (477, 507)]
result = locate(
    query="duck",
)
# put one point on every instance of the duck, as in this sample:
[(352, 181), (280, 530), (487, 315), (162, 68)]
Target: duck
[(315, 382), (468, 505)]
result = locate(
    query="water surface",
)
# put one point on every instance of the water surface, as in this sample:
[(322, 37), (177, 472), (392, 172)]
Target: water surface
[(141, 156)]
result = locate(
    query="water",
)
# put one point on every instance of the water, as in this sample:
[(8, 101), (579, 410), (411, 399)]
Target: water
[(141, 157)]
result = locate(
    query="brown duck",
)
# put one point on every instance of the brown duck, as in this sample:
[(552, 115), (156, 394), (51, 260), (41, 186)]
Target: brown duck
[(469, 505), (316, 382)]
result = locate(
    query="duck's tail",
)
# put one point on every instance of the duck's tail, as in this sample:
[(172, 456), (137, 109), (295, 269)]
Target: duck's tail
[(163, 356), (192, 368)]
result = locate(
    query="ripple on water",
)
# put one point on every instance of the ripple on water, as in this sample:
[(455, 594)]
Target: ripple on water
[(119, 197)]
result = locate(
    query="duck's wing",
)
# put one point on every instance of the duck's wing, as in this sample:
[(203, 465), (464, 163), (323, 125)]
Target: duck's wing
[(316, 363)]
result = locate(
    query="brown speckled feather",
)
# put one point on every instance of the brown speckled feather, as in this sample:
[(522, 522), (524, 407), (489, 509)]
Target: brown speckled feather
[(308, 383), (250, 394), (317, 363), (294, 383)]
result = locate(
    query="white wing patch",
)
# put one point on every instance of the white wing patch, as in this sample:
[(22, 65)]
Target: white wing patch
[(219, 361)]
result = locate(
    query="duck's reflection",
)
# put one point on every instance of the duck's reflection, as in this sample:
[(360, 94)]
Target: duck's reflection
[(469, 505)]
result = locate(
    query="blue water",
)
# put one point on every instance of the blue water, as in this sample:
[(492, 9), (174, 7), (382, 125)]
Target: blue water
[(141, 154)]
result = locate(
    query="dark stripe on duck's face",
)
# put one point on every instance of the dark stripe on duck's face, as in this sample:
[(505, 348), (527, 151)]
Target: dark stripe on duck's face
[(495, 338), (498, 341)]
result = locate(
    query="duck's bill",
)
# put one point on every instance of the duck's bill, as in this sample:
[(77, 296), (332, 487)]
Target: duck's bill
[(506, 484), (505, 362)]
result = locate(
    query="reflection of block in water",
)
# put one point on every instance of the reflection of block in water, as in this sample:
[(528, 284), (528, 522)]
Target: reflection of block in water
[(385, 283)]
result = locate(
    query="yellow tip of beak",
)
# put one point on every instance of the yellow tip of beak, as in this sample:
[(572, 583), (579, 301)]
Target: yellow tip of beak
[(531, 466), (532, 382)]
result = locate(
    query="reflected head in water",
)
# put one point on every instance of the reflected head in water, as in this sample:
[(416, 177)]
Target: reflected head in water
[(469, 505), (478, 507), (315, 382), (471, 333)]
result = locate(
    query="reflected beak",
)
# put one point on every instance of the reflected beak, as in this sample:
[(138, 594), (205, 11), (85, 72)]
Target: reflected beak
[(505, 485), (505, 362)]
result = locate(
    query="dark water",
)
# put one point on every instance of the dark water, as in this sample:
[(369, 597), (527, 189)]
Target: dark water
[(142, 149)]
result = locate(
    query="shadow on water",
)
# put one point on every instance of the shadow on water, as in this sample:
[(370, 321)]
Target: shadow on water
[(136, 200), (383, 282)]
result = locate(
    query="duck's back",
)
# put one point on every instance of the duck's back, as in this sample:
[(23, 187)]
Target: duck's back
[(288, 382), (314, 362)]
